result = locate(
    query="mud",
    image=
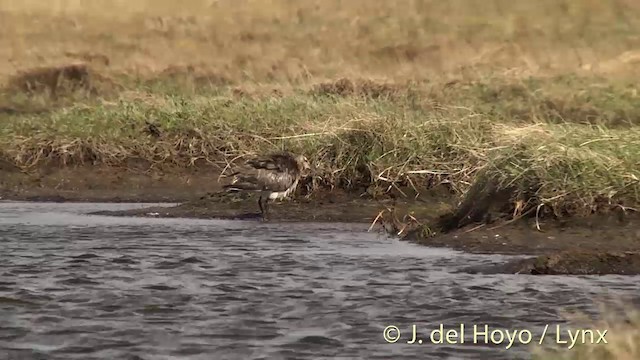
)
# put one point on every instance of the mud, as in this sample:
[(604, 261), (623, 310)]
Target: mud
[(322, 206), (569, 262), (106, 184), (600, 233), (599, 244)]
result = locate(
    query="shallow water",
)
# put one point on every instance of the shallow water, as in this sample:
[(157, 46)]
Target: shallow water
[(74, 286)]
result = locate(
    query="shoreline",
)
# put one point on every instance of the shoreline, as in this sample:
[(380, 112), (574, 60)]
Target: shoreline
[(597, 244)]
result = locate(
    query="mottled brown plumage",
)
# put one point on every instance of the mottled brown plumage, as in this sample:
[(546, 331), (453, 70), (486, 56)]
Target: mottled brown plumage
[(273, 176)]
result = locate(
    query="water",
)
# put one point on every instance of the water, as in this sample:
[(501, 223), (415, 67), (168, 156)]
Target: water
[(74, 286)]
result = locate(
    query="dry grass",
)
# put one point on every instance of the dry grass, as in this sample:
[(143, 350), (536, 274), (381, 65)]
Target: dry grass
[(300, 41), (623, 338), (407, 92)]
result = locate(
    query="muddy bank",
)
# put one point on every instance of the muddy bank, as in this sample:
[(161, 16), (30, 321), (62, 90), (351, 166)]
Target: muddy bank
[(106, 184), (603, 232), (569, 262), (600, 233), (321, 206), (596, 245), (599, 244)]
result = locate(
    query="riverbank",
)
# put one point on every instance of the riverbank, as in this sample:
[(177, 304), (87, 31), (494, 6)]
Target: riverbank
[(471, 168), (596, 244)]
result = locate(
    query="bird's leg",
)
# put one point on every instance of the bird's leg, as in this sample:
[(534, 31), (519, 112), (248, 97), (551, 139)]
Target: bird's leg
[(260, 205), (266, 208)]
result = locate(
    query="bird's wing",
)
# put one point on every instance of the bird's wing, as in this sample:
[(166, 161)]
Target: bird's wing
[(275, 172), (262, 179), (277, 162), (275, 180), (252, 166)]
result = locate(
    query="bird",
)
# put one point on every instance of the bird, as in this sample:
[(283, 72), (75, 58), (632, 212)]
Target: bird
[(274, 176)]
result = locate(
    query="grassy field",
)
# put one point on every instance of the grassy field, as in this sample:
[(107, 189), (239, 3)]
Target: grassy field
[(541, 95)]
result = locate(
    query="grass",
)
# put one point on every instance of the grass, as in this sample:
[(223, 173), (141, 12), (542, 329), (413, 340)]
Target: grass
[(622, 340), (292, 42), (354, 140), (411, 93)]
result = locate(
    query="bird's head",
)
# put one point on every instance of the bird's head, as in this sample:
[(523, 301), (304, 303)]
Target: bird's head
[(303, 163)]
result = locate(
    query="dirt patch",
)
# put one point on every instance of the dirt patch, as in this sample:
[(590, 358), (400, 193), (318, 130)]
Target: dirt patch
[(569, 262)]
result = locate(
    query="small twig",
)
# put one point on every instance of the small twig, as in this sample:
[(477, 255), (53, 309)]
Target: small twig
[(537, 217), (263, 139), (555, 197), (375, 221), (228, 166), (414, 187), (298, 136), (512, 220), (414, 219), (384, 171), (474, 228), (596, 140), (404, 226), (385, 154), (397, 188), (431, 172), (625, 208)]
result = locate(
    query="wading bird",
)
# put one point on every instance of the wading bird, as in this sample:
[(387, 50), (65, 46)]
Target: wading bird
[(274, 176)]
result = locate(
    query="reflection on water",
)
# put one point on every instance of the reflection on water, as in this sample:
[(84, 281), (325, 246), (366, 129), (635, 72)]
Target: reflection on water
[(90, 287)]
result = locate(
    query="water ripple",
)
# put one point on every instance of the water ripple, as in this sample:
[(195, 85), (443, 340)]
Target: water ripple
[(89, 287)]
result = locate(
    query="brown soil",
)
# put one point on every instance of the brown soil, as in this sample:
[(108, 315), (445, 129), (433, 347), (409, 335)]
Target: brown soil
[(600, 233), (322, 206), (598, 245), (569, 262), (606, 243), (105, 184)]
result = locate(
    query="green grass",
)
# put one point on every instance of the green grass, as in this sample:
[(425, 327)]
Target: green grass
[(575, 140)]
